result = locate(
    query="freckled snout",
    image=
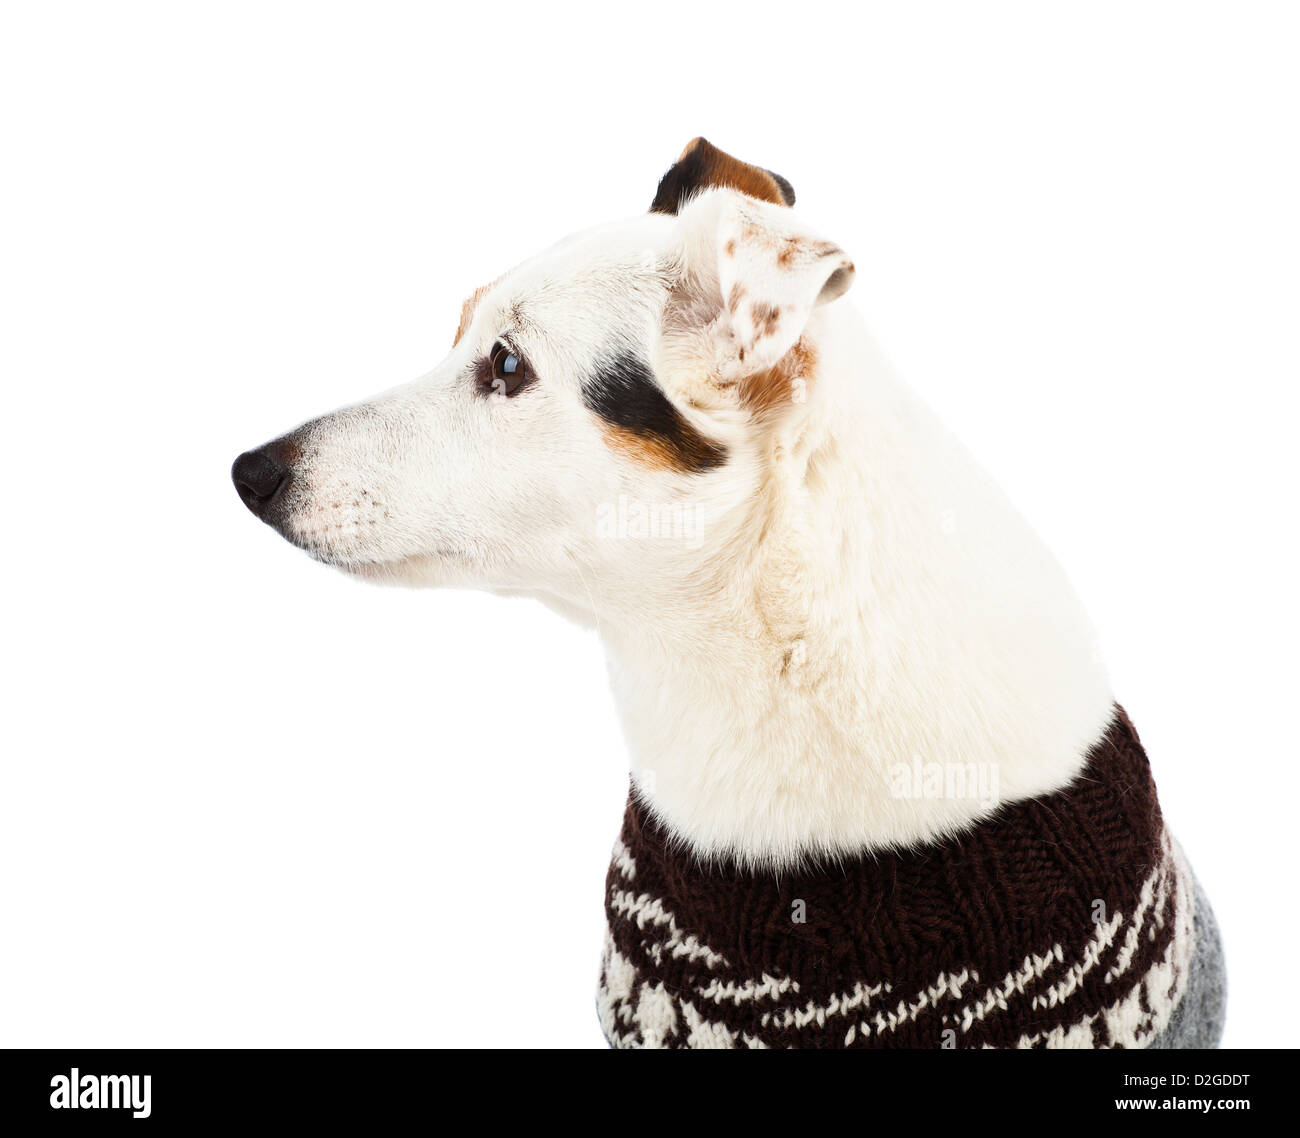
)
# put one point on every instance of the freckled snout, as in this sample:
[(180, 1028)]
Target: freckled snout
[(261, 475)]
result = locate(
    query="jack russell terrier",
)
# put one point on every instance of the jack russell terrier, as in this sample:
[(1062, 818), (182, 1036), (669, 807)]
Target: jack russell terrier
[(882, 794)]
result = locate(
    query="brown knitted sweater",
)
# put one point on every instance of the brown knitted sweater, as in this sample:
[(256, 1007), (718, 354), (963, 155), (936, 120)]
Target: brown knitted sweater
[(1062, 921)]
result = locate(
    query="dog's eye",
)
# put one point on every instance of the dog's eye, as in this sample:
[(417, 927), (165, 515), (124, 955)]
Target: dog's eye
[(509, 372)]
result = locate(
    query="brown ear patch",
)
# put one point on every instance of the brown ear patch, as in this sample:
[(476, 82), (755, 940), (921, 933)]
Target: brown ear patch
[(783, 383), (765, 318), (702, 166)]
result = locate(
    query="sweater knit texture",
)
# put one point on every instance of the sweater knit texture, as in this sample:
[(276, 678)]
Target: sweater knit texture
[(1061, 921)]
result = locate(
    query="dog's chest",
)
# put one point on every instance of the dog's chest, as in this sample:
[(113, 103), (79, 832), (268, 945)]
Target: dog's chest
[(1063, 921)]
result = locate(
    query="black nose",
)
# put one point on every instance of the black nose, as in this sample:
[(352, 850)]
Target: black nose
[(259, 476)]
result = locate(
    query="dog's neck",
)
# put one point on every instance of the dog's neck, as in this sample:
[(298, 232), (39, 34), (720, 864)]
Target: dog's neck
[(881, 653)]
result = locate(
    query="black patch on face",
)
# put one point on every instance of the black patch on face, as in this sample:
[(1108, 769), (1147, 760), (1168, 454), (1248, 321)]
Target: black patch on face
[(623, 392)]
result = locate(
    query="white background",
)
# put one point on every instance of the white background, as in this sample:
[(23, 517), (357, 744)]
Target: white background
[(248, 801)]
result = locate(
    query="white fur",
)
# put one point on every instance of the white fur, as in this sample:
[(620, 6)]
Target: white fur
[(848, 594)]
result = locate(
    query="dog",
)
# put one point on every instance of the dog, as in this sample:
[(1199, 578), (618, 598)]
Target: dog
[(882, 794)]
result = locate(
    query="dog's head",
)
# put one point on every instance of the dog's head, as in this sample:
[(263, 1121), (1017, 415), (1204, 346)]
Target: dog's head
[(620, 385)]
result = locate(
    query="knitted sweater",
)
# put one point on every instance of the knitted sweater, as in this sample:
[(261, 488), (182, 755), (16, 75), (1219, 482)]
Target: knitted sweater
[(1062, 921)]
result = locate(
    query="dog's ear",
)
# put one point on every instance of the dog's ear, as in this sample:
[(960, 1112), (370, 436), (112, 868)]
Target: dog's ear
[(703, 166), (773, 271)]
